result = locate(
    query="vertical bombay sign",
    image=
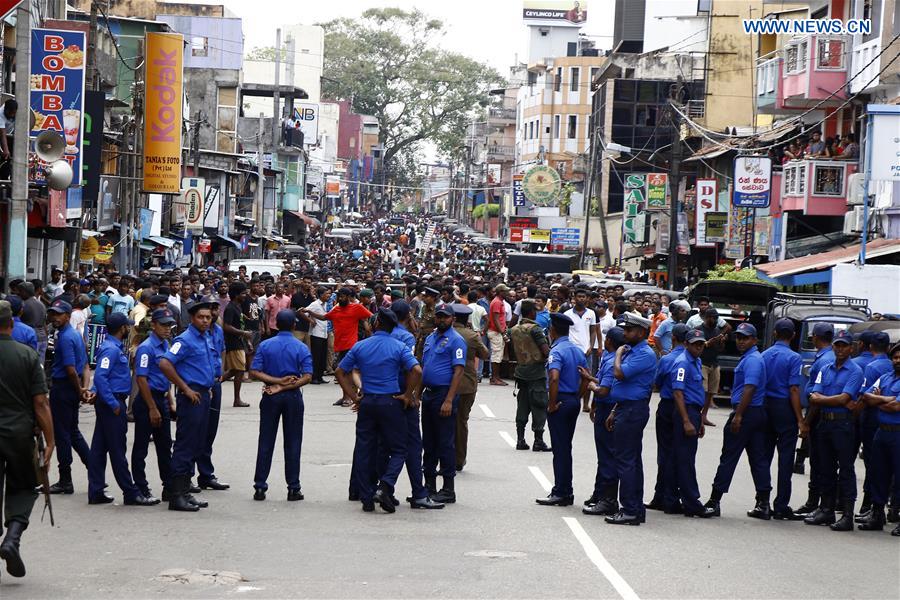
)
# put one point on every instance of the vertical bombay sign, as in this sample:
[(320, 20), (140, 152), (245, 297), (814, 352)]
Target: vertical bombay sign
[(164, 77), (57, 94)]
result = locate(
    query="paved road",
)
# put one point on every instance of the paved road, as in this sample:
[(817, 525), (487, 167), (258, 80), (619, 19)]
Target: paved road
[(495, 542)]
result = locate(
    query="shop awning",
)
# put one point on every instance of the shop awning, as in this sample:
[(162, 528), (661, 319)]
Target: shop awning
[(161, 241), (147, 247), (229, 240), (826, 260), (311, 221), (705, 155), (88, 233)]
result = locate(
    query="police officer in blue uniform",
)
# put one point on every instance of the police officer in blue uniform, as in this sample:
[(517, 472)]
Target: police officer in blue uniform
[(112, 383), (605, 498), (69, 389), (822, 336), (566, 388), (665, 497), (868, 420), (206, 472), (835, 396), (863, 354), (746, 427), (443, 362), (634, 370), (22, 333), (380, 405), (784, 378), (884, 396), (686, 383), (284, 365), (421, 493), (153, 409), (190, 365)]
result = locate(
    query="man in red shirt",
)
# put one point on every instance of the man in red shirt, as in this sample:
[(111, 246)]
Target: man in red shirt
[(497, 332), (345, 318), (274, 304)]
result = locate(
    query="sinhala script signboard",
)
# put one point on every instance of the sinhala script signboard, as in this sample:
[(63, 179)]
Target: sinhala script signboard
[(752, 181), (541, 185)]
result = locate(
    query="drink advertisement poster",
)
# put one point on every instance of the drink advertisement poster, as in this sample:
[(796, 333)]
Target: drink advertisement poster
[(57, 93)]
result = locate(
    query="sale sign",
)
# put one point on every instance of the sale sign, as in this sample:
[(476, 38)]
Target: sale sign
[(752, 181), (164, 80), (707, 202), (57, 94)]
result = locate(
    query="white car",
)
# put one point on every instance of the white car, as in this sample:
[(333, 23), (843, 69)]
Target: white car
[(260, 265)]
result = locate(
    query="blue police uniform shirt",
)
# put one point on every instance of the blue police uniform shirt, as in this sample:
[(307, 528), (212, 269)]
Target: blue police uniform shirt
[(663, 333), (833, 380), (664, 370), (566, 357), (402, 333), (784, 368), (68, 352), (862, 361), (442, 352), (880, 365), (686, 375), (888, 385), (605, 375), (823, 357), (283, 355), (146, 362), (542, 318), (192, 356), (217, 337), (751, 370), (112, 375), (639, 368), (379, 358), (24, 334)]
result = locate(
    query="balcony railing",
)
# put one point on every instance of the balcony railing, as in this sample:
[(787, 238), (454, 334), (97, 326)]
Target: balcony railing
[(864, 76), (696, 109), (498, 152), (502, 114)]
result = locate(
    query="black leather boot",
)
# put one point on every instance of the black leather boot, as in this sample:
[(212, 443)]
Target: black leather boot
[(762, 510), (845, 523), (812, 503), (876, 519), (64, 485), (447, 495), (893, 514), (521, 444), (864, 508), (178, 499), (431, 485), (539, 445), (824, 515), (9, 549)]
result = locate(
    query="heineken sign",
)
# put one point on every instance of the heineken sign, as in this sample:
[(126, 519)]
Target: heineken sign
[(541, 185)]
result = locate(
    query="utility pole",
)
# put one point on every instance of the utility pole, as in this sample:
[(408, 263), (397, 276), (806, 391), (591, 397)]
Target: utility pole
[(674, 183), (593, 187), (260, 184), (92, 71), (463, 210), (195, 143), (276, 95), (17, 238)]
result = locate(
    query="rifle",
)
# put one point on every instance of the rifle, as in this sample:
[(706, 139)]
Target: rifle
[(41, 471)]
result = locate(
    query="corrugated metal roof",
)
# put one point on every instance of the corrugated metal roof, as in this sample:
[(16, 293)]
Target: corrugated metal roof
[(826, 260)]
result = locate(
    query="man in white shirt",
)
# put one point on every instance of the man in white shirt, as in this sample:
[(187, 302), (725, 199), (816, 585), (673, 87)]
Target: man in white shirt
[(583, 332), (318, 334), (120, 301), (605, 320), (696, 321), (56, 284)]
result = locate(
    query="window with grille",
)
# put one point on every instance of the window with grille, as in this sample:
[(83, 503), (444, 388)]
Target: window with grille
[(830, 54), (828, 180), (795, 57), (573, 127), (575, 74)]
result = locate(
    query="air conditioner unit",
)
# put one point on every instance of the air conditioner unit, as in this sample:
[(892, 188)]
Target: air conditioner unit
[(856, 188), (853, 220)]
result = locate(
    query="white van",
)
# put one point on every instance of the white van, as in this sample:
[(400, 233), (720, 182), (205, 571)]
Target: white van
[(269, 266)]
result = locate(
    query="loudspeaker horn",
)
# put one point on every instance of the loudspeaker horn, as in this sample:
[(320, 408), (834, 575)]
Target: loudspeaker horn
[(59, 175), (49, 146)]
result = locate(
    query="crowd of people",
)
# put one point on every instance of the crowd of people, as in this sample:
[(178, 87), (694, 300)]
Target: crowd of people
[(408, 334)]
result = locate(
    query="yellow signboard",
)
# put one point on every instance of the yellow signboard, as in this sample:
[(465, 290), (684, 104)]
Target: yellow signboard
[(538, 236), (162, 112)]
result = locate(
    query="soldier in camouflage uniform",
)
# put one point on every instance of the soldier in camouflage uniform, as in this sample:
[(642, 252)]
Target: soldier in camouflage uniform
[(426, 319), (469, 384), (532, 349)]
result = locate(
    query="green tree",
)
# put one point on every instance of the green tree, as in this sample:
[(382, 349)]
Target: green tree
[(388, 63)]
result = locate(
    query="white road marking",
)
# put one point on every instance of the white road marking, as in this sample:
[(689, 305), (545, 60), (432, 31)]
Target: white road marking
[(541, 478), (508, 439), (487, 411), (596, 557)]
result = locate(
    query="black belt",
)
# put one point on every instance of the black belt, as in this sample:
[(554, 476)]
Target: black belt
[(885, 427), (120, 395), (836, 416)]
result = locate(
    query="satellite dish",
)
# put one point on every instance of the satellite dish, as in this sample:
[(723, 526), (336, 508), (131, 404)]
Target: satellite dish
[(49, 146), (59, 175)]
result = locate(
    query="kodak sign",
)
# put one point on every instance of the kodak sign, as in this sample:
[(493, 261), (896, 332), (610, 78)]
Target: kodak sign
[(164, 84)]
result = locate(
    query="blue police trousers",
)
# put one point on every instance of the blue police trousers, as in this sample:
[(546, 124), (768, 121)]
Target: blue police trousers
[(413, 454), (205, 469), (162, 439), (782, 433), (288, 407), (110, 433), (628, 429), (190, 432), (380, 420), (684, 456), (837, 455), (752, 438), (885, 462), (603, 441), (666, 490), (867, 425), (64, 403), (438, 433), (561, 424)]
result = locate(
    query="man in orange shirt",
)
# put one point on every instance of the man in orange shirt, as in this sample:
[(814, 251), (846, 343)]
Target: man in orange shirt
[(657, 318)]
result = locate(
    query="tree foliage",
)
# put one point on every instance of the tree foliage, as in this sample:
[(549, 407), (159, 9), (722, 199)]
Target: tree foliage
[(388, 63), (732, 273)]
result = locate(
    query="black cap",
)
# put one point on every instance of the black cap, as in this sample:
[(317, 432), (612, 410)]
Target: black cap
[(386, 315), (785, 325), (881, 338), (345, 291), (616, 335), (561, 322), (432, 292), (200, 304), (158, 299), (695, 335), (401, 309), (15, 303), (461, 310), (443, 309), (163, 316), (824, 331), (60, 306), (680, 331), (117, 320)]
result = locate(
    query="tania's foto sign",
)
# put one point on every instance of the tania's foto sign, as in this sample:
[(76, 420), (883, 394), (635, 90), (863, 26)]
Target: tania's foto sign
[(162, 112)]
